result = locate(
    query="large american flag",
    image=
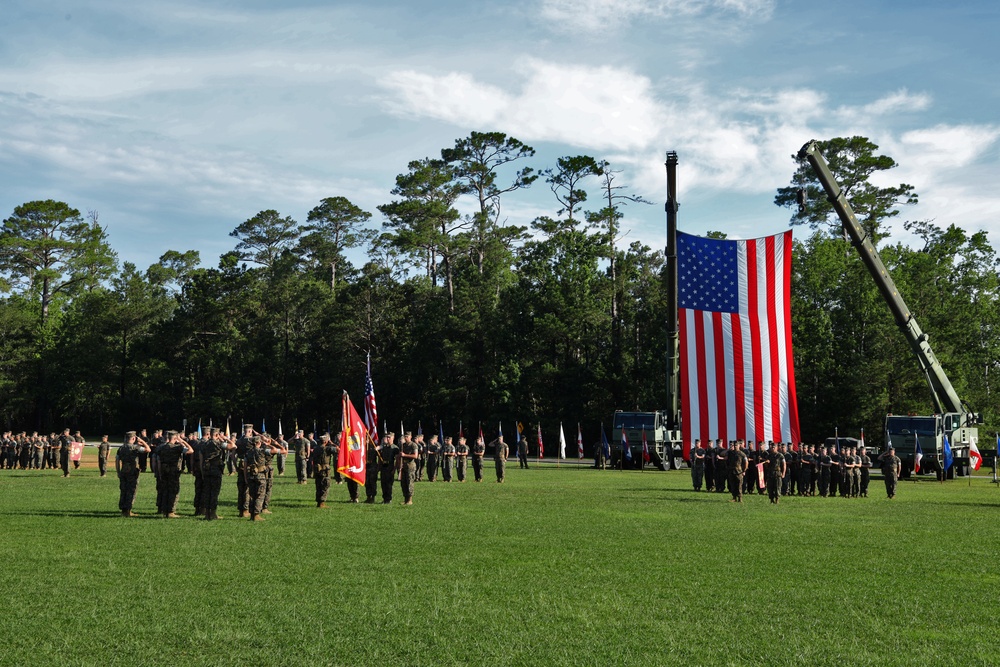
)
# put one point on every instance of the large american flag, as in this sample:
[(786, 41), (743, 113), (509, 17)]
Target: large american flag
[(734, 315), (371, 412)]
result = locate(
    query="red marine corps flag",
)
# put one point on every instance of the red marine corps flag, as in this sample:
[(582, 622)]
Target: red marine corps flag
[(353, 435), (735, 321)]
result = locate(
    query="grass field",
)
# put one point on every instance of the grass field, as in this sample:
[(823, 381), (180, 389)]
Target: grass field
[(554, 567)]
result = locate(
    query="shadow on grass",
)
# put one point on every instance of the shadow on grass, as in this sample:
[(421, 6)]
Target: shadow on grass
[(80, 514)]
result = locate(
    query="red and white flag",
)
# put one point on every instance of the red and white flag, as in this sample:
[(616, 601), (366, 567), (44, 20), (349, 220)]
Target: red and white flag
[(353, 436), (371, 411), (975, 458), (579, 441), (541, 446), (734, 315), (645, 447)]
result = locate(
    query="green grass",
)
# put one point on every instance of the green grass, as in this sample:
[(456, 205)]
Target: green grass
[(568, 566)]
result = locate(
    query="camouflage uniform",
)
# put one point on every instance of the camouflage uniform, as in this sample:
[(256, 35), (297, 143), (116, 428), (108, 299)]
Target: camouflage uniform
[(242, 494), (255, 471), (389, 453), (103, 450), (500, 458), (721, 470), (433, 453), (409, 470), (301, 447), (212, 455), (461, 459), (891, 465), (697, 466), (371, 473), (736, 467), (478, 451), (65, 443), (127, 467), (447, 460), (322, 454), (195, 467), (168, 488), (776, 473), (866, 467)]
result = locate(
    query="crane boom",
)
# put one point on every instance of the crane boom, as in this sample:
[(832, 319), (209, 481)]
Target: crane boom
[(944, 395)]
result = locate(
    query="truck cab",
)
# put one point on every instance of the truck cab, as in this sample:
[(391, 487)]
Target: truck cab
[(905, 431)]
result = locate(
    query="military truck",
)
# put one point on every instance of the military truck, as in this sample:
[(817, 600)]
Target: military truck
[(634, 424), (952, 417)]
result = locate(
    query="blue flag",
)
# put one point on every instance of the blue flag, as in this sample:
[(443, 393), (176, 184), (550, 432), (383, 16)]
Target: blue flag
[(500, 428), (626, 448), (441, 431), (949, 458), (605, 444)]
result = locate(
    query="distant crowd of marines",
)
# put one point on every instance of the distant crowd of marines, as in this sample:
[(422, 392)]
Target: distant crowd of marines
[(782, 470), (255, 458), (38, 452)]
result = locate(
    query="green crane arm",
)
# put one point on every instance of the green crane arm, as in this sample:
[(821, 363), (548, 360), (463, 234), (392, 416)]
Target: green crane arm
[(945, 398)]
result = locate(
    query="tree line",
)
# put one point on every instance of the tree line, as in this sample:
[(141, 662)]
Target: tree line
[(466, 317)]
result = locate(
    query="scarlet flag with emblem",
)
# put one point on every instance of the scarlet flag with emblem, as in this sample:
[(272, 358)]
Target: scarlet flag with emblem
[(579, 441), (645, 447), (541, 446), (353, 435)]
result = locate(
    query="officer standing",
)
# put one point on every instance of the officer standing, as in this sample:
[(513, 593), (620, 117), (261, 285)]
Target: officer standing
[(372, 454), (243, 443), (211, 461), (301, 447), (522, 453), (103, 450), (409, 453), (478, 452), (127, 467), (272, 448), (697, 465), (389, 453), (721, 472), (433, 452), (736, 466), (65, 443), (167, 463), (866, 467), (322, 454), (255, 464), (891, 467), (777, 467), (195, 468), (500, 457), (447, 458), (461, 458)]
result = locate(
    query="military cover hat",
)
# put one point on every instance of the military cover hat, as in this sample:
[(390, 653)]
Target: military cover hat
[(129, 434)]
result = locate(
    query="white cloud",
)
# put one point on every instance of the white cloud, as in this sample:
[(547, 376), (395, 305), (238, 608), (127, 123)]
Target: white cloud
[(739, 143), (593, 15), (603, 107)]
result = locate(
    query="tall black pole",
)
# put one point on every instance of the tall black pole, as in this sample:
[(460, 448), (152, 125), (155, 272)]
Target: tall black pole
[(673, 343)]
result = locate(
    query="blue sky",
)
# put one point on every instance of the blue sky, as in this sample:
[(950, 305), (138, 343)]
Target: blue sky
[(177, 121)]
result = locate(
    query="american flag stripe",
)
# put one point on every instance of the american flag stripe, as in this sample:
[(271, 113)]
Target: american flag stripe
[(737, 375), (371, 410)]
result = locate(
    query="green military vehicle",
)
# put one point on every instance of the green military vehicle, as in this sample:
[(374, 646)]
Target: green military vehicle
[(634, 424), (952, 418)]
